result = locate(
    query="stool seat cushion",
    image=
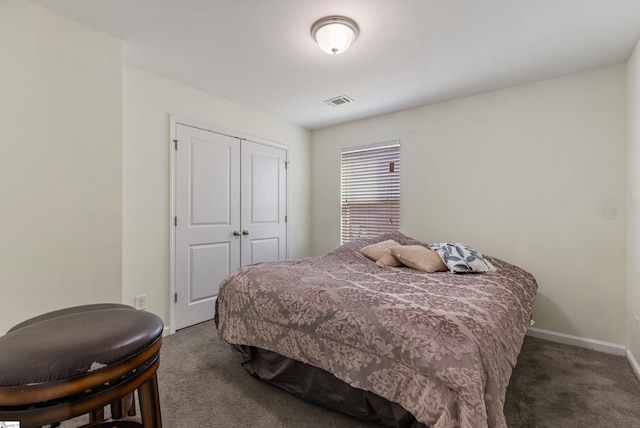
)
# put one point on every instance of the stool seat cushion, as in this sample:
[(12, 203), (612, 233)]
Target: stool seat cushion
[(67, 311), (73, 343)]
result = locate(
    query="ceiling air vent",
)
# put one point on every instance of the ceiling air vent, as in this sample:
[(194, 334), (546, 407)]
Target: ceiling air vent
[(343, 99)]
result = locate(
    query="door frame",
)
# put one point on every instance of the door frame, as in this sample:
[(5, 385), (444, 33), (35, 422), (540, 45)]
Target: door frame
[(174, 121)]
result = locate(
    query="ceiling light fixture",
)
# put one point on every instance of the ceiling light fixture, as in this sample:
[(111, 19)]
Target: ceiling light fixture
[(334, 34)]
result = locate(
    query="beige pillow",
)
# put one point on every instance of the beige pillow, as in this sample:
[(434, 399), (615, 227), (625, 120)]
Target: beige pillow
[(379, 252), (388, 260), (419, 257)]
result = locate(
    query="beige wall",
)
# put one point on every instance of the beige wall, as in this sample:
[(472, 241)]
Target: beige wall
[(633, 234), (61, 163), (535, 175), (149, 100)]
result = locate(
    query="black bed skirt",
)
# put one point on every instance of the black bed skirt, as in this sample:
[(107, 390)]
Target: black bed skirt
[(321, 387)]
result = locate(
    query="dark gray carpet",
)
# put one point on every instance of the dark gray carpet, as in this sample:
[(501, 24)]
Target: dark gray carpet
[(557, 386)]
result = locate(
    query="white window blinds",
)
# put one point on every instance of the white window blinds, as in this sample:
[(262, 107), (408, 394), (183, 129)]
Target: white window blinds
[(370, 190)]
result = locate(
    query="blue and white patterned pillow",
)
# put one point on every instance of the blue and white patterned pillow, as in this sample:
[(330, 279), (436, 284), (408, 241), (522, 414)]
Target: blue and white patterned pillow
[(461, 258)]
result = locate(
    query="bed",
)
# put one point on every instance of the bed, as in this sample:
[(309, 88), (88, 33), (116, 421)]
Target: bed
[(390, 344)]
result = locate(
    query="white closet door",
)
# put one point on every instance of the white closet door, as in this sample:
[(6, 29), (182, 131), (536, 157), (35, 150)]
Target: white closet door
[(264, 204), (208, 212)]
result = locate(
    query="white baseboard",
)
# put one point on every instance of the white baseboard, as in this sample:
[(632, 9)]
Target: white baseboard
[(634, 363), (582, 342), (166, 331)]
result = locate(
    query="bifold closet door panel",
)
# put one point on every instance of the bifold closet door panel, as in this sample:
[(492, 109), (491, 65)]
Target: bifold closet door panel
[(207, 215), (263, 203)]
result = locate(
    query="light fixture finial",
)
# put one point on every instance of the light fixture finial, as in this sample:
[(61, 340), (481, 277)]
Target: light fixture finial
[(334, 34)]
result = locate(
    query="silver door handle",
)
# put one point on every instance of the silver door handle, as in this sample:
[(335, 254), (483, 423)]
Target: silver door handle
[(236, 233), (245, 232)]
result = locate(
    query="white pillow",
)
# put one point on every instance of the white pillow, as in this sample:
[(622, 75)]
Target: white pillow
[(461, 258)]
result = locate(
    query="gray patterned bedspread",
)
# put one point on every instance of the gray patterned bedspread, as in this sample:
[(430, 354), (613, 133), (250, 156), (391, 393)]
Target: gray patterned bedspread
[(442, 345)]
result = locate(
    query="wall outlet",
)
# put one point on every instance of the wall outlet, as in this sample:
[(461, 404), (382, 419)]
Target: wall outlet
[(140, 302)]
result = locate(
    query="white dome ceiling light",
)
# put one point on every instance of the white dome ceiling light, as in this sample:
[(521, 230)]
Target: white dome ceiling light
[(334, 34)]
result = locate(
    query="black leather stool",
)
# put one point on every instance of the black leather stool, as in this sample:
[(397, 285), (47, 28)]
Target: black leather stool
[(75, 361)]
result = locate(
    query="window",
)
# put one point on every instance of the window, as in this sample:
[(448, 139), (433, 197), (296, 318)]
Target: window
[(370, 190)]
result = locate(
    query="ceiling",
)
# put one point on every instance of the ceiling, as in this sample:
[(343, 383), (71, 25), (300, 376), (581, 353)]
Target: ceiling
[(259, 53)]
